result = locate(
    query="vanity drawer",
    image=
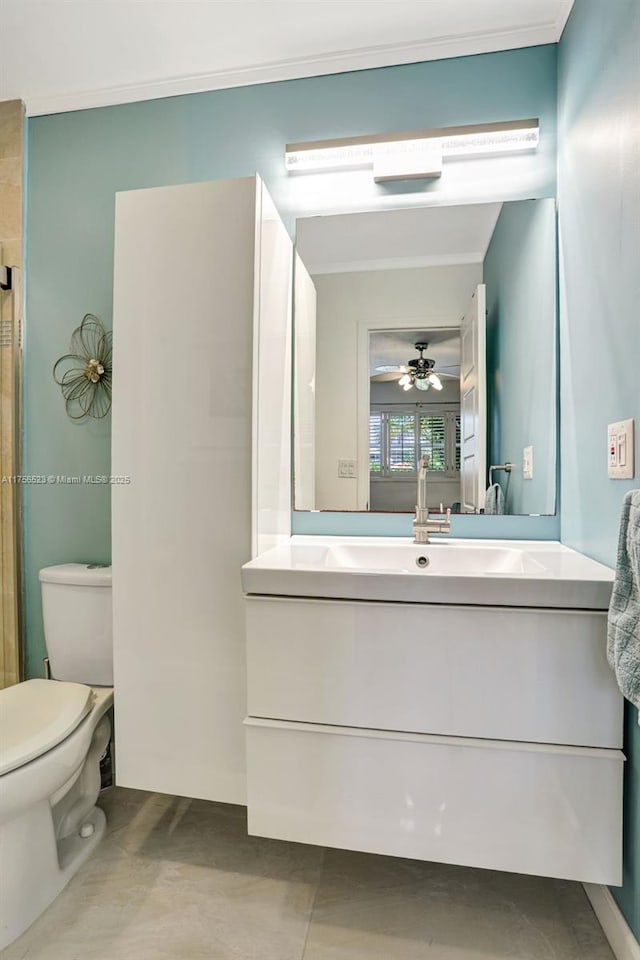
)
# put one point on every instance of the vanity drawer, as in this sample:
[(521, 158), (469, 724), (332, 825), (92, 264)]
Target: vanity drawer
[(500, 673), (544, 810)]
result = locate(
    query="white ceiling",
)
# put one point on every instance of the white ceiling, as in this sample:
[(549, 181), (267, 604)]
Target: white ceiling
[(69, 54), (394, 239)]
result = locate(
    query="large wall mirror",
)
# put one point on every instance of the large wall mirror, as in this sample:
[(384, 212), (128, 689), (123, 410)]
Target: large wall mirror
[(427, 331)]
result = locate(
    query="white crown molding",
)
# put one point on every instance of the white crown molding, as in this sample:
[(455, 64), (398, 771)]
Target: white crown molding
[(621, 940), (395, 263), (344, 61)]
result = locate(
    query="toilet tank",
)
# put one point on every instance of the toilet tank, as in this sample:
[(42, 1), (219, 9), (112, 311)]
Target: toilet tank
[(76, 612)]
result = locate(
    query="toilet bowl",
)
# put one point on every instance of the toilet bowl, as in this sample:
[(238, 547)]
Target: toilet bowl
[(53, 734)]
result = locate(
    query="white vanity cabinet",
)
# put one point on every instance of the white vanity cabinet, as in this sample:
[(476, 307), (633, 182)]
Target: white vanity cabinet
[(479, 735), (201, 434)]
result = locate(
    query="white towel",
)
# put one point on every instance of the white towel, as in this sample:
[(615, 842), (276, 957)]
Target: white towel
[(623, 633)]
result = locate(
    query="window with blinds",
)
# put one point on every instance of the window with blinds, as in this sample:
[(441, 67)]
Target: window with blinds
[(398, 438)]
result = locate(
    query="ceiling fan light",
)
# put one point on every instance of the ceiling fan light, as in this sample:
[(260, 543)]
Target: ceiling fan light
[(422, 384), (404, 380), (434, 380), (408, 386)]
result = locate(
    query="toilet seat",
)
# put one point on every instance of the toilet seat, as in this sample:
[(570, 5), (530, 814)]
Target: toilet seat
[(36, 715)]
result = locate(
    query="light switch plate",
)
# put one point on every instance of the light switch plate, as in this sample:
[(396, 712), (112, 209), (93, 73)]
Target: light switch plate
[(347, 469), (527, 463), (620, 450)]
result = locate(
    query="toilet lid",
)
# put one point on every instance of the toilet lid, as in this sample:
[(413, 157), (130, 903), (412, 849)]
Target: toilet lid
[(36, 715)]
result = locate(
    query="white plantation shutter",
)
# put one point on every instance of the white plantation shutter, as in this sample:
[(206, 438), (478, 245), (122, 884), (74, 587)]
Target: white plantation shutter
[(398, 438), (375, 443), (433, 441), (401, 443)]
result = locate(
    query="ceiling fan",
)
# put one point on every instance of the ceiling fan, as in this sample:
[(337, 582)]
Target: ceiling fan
[(418, 372)]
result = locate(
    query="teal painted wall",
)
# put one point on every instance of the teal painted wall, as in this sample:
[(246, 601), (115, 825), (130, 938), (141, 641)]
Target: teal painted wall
[(521, 279), (599, 218), (77, 161)]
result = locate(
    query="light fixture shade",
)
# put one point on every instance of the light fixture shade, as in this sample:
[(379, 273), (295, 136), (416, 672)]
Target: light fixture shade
[(423, 150), (434, 381), (404, 379), (408, 386), (423, 384)]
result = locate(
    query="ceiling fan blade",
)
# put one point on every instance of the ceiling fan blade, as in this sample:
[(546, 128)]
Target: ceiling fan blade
[(382, 377), (393, 368)]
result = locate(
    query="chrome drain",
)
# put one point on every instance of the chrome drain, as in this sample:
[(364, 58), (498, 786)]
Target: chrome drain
[(422, 561)]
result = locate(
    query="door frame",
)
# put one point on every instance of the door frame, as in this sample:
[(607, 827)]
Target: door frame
[(367, 326)]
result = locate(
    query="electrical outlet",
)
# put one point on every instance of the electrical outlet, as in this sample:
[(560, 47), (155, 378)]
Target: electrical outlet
[(620, 450), (347, 469), (527, 463)]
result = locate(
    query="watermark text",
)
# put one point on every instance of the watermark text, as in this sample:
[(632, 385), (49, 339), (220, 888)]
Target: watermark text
[(54, 479)]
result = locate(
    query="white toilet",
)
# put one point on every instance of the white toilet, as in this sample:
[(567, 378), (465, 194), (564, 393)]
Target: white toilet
[(52, 735)]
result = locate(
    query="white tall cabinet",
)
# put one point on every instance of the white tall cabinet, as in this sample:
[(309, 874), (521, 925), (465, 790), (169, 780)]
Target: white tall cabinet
[(201, 426)]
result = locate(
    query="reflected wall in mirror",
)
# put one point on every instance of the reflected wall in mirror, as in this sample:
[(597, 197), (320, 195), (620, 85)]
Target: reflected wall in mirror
[(426, 331)]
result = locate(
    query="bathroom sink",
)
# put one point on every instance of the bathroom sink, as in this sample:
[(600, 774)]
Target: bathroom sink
[(431, 559), (482, 572)]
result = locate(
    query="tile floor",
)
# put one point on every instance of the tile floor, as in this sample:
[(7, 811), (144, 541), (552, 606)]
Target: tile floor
[(180, 880)]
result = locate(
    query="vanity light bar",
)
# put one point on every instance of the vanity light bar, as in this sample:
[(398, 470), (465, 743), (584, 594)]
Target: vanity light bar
[(353, 153)]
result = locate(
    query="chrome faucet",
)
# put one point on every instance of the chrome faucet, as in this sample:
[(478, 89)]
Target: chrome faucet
[(421, 523)]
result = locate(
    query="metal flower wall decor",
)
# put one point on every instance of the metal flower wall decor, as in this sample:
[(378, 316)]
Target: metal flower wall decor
[(85, 372)]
